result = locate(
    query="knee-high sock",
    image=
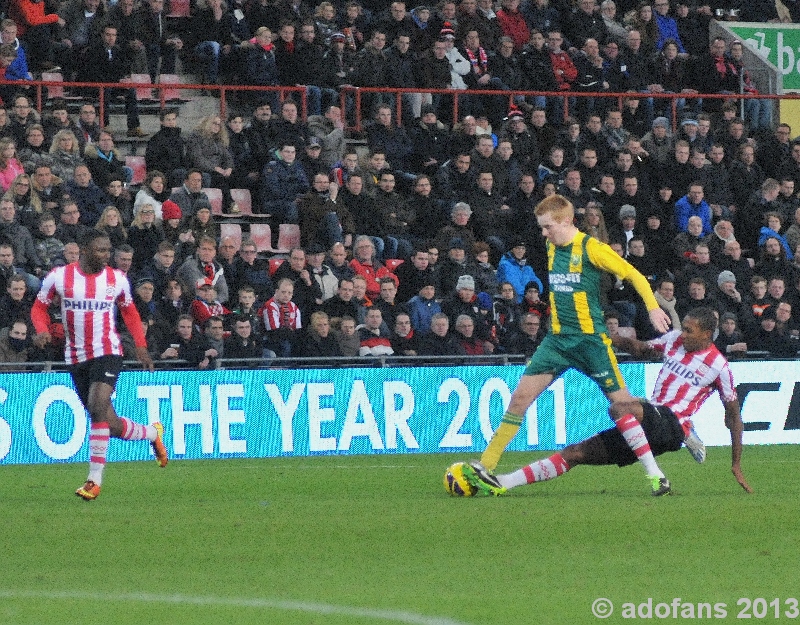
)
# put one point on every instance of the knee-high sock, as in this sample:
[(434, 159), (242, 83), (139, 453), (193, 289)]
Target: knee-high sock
[(539, 471), (132, 431), (98, 448), (634, 435), (509, 426)]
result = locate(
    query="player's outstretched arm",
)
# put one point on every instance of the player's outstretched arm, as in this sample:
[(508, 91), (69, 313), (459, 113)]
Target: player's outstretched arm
[(636, 348), (605, 258), (658, 317), (143, 356), (733, 421), (41, 322), (660, 320), (41, 339), (134, 324)]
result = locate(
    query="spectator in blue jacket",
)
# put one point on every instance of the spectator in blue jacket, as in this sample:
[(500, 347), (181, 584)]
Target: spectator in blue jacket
[(423, 306), (18, 69), (282, 183), (514, 269), (667, 26), (12, 59), (690, 205), (8, 60)]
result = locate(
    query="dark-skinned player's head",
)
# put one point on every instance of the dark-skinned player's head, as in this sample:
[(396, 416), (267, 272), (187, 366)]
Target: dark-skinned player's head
[(705, 317)]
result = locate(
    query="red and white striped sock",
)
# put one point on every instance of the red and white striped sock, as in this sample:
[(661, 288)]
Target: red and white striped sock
[(132, 431), (98, 448), (539, 471), (634, 435)]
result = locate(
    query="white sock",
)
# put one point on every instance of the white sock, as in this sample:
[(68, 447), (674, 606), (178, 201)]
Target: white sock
[(539, 471)]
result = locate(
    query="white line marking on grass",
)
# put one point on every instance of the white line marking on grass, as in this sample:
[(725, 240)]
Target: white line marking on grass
[(316, 467), (350, 467), (394, 616)]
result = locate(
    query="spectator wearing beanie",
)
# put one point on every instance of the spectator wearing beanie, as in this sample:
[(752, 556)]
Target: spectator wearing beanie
[(513, 267), (465, 302), (176, 232), (170, 210), (659, 143), (728, 298), (730, 340), (456, 264)]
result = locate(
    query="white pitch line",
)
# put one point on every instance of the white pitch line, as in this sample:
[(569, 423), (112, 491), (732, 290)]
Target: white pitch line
[(394, 616), (316, 467)]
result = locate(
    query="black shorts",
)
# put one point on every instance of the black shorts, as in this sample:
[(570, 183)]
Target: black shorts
[(660, 425), (104, 369)]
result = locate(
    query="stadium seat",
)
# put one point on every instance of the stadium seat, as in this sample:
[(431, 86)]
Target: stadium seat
[(261, 235), (179, 8), (172, 94), (243, 200), (54, 91), (627, 332), (393, 263), (274, 263), (231, 230), (288, 237), (142, 93), (215, 197), (137, 164)]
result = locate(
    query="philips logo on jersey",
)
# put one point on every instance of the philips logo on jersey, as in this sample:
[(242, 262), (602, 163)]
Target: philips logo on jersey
[(683, 371), (562, 282), (87, 304)]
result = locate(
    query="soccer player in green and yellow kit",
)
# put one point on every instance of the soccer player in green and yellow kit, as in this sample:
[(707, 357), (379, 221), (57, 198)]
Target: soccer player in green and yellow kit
[(578, 337)]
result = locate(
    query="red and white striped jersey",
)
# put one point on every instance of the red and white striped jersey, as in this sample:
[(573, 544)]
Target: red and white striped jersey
[(273, 318), (87, 308), (687, 379)]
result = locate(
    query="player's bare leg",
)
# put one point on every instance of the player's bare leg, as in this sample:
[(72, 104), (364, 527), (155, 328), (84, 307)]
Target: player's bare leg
[(126, 429), (98, 407), (528, 389), (106, 424)]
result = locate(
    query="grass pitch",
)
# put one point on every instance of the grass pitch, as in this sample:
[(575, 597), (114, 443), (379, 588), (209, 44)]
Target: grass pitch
[(375, 540)]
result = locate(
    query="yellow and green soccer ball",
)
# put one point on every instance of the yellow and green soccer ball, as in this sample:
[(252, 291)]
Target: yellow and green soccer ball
[(455, 483)]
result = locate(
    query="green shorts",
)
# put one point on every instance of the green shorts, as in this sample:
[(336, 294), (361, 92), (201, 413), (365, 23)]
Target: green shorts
[(591, 354)]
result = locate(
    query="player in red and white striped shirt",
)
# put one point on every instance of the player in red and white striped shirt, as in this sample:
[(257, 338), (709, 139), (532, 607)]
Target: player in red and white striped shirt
[(689, 376), (693, 369), (90, 291)]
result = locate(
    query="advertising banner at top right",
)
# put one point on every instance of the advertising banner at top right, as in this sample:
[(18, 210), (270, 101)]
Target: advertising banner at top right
[(777, 43)]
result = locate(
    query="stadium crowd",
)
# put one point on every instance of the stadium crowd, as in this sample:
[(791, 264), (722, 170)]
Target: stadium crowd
[(709, 213)]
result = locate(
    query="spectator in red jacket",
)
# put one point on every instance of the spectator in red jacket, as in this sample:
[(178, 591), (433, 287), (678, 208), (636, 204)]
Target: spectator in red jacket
[(465, 333), (35, 27), (564, 70), (206, 305), (365, 264), (513, 24)]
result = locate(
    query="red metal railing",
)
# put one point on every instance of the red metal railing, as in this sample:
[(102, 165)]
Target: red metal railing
[(162, 89), (358, 93)]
